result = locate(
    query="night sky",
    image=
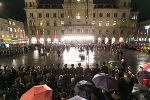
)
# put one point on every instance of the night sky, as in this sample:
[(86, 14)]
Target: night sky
[(14, 8)]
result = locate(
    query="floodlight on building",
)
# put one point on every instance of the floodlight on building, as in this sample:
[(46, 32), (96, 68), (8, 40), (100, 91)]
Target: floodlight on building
[(33, 40), (42, 40), (113, 40)]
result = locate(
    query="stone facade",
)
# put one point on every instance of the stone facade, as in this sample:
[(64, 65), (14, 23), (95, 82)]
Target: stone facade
[(11, 30), (80, 18)]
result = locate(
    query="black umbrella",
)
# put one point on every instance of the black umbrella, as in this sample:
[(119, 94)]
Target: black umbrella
[(105, 82), (84, 89)]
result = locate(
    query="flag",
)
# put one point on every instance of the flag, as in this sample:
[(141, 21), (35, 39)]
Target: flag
[(138, 33), (37, 34), (87, 8), (55, 33), (70, 8)]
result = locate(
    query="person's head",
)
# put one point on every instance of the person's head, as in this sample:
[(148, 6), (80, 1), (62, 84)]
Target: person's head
[(104, 63), (60, 77), (79, 64), (140, 68), (129, 68), (97, 65), (116, 76), (18, 80), (72, 80), (126, 74), (122, 60), (72, 65), (140, 81), (65, 65), (63, 96), (87, 66)]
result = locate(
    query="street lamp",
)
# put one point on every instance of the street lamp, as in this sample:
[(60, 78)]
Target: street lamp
[(1, 4)]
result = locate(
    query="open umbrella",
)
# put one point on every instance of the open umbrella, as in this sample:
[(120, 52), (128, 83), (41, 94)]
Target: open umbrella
[(147, 67), (84, 89), (77, 98), (105, 82), (41, 92), (115, 64)]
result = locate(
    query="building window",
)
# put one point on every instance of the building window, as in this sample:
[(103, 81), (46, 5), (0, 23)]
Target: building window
[(48, 32), (100, 32), (78, 30), (107, 23), (55, 23), (107, 31), (47, 23), (100, 14), (62, 15), (40, 15), (86, 31), (108, 14), (93, 22), (41, 24), (114, 23), (100, 23), (123, 15), (10, 29), (62, 22), (78, 17), (125, 4), (41, 32), (78, 0), (54, 15), (15, 30), (62, 31), (14, 23), (114, 32), (9, 22), (33, 32), (31, 15), (30, 4), (115, 15), (47, 15), (94, 15), (70, 31)]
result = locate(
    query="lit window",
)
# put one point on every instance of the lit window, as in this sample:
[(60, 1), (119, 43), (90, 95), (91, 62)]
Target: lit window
[(41, 24), (14, 29), (78, 0), (78, 17), (14, 23), (93, 22), (62, 22), (9, 22), (10, 29), (107, 23), (114, 23), (100, 23)]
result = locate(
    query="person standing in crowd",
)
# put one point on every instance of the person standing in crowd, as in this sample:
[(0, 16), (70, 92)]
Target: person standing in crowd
[(123, 65), (79, 69), (104, 68)]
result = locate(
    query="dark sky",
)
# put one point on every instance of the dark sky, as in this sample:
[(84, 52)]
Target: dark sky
[(14, 8)]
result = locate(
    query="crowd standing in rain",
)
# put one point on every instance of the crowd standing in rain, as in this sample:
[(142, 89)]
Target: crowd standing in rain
[(130, 85)]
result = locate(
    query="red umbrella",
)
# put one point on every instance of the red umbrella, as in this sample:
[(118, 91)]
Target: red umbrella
[(41, 92), (147, 67)]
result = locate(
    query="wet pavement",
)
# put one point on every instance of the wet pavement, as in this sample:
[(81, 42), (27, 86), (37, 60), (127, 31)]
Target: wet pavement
[(73, 56)]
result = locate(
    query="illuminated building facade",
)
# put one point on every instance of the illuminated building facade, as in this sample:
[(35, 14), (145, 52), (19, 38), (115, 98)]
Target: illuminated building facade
[(143, 31), (11, 30), (79, 21)]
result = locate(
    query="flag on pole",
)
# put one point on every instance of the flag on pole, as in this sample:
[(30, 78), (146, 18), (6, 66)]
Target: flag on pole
[(55, 33), (87, 8), (37, 34)]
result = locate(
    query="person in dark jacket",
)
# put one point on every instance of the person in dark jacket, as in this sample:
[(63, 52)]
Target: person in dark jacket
[(104, 68)]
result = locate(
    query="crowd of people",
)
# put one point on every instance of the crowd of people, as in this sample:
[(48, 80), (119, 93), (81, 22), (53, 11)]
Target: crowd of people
[(62, 80)]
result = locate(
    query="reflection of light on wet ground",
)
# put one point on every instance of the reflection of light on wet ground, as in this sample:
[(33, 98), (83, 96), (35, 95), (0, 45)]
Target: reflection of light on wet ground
[(73, 56), (36, 55), (14, 62)]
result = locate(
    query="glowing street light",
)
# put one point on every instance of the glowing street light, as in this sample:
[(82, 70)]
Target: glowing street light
[(1, 4)]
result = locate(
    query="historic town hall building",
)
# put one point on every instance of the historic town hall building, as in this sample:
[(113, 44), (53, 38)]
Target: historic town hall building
[(79, 21)]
